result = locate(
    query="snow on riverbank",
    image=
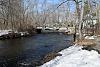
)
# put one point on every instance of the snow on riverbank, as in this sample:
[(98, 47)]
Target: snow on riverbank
[(4, 32), (74, 56), (90, 37)]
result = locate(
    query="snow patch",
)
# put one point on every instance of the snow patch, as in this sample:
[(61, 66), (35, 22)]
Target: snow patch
[(74, 56), (4, 32), (90, 37), (63, 29), (23, 33)]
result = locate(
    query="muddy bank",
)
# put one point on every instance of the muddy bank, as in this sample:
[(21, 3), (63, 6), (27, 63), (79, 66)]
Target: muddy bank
[(45, 58)]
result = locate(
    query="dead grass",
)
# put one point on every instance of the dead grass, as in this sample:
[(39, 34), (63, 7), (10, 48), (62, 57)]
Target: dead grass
[(85, 42)]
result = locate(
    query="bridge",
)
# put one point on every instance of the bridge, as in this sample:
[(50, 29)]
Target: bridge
[(52, 29)]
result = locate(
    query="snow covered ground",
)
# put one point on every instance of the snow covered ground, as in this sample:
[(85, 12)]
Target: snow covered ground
[(74, 56), (90, 37)]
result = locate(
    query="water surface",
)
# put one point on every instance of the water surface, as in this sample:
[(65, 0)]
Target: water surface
[(31, 50)]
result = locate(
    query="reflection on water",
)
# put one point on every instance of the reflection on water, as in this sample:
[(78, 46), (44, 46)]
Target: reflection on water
[(31, 50)]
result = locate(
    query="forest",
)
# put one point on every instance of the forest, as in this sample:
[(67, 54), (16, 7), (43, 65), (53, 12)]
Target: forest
[(20, 15)]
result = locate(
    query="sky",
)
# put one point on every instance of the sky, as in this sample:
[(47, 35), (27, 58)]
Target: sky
[(54, 1), (72, 6)]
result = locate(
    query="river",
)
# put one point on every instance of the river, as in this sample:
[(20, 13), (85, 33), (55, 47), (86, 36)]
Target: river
[(31, 50)]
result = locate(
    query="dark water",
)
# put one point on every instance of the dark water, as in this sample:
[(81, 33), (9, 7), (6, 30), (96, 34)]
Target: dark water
[(26, 51)]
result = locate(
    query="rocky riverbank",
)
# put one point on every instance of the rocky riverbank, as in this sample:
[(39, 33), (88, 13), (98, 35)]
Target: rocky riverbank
[(9, 34)]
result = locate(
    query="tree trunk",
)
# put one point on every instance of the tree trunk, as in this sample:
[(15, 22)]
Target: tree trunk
[(81, 20)]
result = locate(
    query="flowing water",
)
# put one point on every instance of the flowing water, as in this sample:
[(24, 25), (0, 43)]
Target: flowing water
[(29, 51)]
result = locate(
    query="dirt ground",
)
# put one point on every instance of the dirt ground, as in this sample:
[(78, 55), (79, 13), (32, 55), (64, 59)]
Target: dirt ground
[(85, 42), (97, 41)]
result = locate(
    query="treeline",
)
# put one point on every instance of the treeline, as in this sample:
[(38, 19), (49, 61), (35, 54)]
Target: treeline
[(16, 14), (23, 14)]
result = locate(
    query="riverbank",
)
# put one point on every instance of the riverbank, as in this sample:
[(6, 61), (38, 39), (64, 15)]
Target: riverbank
[(86, 52), (72, 54), (9, 34)]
